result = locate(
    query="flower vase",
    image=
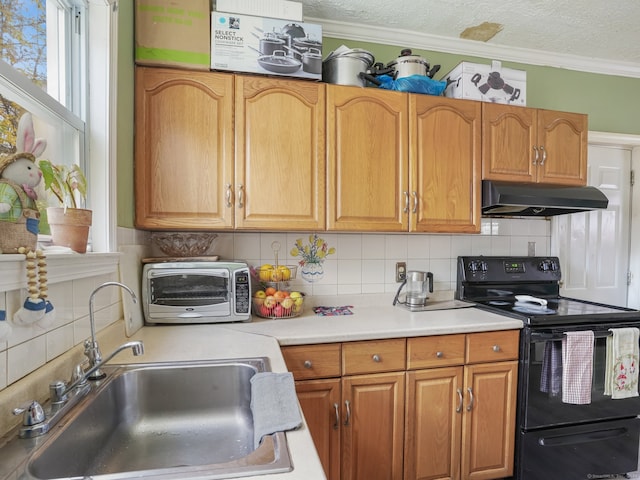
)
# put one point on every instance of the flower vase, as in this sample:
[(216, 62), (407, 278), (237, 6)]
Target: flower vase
[(312, 271)]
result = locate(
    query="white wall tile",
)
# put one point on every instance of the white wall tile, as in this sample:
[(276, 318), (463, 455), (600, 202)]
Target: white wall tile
[(3, 369), (373, 246), (349, 272), (349, 247), (246, 246), (440, 246), (418, 246), (59, 341), (373, 272), (25, 358), (395, 246), (461, 245)]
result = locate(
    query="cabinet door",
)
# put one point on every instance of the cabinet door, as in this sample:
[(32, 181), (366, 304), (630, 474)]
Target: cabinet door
[(367, 135), (508, 138), (488, 425), (320, 402), (280, 154), (183, 149), (445, 163), (563, 138), (433, 424), (372, 434)]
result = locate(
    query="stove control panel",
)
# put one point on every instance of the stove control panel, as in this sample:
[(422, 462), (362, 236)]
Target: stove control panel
[(500, 269)]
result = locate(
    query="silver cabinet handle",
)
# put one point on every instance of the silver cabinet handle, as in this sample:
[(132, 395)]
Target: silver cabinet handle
[(415, 202), (535, 159), (376, 358), (439, 354), (337, 424), (307, 364), (471, 399), (348, 416), (228, 194), (460, 400), (241, 196), (496, 348), (544, 155), (406, 202)]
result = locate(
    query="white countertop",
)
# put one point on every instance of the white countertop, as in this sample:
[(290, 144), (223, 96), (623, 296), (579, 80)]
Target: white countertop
[(374, 317)]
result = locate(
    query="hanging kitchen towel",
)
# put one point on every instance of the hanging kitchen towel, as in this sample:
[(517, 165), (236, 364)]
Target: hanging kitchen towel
[(551, 376), (622, 355), (577, 367), (274, 404)]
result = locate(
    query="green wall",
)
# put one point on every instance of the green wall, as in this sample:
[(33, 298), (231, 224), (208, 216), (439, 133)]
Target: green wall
[(612, 102)]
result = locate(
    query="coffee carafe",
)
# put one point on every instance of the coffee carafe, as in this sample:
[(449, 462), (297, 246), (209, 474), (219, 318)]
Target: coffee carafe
[(418, 285)]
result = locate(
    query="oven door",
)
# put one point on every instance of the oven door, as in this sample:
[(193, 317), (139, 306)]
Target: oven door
[(188, 293), (540, 408)]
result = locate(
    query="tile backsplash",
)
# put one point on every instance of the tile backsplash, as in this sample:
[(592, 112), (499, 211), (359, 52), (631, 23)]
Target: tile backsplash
[(362, 263)]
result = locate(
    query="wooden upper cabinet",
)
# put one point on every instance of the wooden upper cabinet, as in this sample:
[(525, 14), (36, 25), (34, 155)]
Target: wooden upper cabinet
[(367, 178), (444, 178), (564, 137), (533, 145), (280, 154), (183, 149)]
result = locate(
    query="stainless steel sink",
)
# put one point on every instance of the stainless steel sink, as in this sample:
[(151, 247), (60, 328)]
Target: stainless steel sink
[(163, 420)]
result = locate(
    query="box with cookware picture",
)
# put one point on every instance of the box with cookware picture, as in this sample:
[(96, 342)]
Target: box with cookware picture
[(269, 46)]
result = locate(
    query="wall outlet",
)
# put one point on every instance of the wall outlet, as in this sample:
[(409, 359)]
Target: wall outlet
[(401, 271), (531, 249)]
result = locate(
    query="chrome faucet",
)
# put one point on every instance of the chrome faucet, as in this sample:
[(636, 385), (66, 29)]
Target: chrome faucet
[(64, 395), (91, 348)]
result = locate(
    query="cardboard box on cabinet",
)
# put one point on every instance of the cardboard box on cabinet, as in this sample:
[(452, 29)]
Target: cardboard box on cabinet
[(488, 83), (173, 33), (269, 46)]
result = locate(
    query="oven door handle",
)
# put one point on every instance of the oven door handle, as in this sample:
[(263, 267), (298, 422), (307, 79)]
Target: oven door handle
[(557, 336)]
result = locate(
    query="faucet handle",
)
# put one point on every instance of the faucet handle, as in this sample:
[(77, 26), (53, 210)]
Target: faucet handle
[(32, 413)]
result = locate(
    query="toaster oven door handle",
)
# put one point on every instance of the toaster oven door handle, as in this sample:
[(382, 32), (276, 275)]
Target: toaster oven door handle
[(190, 315)]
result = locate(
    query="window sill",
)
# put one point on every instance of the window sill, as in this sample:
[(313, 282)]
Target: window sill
[(61, 267)]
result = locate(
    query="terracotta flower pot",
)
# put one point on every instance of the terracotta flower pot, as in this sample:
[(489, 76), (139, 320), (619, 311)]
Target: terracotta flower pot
[(70, 228)]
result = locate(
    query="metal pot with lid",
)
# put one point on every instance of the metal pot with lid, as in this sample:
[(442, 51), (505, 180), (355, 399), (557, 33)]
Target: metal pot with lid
[(344, 65), (408, 64)]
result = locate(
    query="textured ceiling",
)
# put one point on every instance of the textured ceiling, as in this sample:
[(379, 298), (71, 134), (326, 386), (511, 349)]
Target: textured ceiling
[(595, 29)]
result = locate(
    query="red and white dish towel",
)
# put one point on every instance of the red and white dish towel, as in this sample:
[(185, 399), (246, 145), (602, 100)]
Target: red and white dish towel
[(577, 367), (621, 374)]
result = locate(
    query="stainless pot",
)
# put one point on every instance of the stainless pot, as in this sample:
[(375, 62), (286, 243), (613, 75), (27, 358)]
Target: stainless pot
[(345, 66), (408, 64), (312, 61), (303, 44)]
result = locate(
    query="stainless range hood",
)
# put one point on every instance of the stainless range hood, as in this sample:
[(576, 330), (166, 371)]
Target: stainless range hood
[(514, 199)]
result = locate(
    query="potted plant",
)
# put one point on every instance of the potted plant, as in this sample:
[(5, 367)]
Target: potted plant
[(69, 222)]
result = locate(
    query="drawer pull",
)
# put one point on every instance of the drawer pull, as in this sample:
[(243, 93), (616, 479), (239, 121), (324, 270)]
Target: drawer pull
[(439, 354), (471, 399), (496, 348), (337, 424), (460, 400), (348, 416), (307, 364), (376, 358)]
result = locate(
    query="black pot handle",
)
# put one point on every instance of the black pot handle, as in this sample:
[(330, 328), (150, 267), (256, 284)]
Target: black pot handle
[(370, 78)]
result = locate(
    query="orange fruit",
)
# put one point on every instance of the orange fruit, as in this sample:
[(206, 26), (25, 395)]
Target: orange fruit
[(270, 291), (279, 295)]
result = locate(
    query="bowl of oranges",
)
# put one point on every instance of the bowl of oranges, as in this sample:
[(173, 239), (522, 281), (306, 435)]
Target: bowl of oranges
[(274, 303)]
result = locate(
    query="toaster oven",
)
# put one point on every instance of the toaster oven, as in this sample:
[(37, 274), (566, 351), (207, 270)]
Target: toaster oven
[(196, 292)]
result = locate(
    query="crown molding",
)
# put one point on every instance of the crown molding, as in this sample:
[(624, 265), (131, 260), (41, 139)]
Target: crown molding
[(425, 41), (617, 139)]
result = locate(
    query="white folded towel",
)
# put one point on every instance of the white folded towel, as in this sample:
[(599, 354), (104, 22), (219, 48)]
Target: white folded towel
[(621, 371), (577, 367)]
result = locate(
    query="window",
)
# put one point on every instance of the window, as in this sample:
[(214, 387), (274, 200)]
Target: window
[(45, 70)]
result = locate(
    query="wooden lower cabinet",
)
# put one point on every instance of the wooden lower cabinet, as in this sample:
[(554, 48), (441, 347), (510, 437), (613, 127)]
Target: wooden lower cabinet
[(372, 434), (461, 422), (320, 401), (447, 412)]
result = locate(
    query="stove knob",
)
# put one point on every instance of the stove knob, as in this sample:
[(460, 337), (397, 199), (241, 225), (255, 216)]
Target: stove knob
[(548, 266), (476, 266)]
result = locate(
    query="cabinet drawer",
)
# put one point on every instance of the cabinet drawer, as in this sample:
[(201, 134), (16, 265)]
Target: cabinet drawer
[(435, 351), (492, 346), (373, 356), (313, 361)]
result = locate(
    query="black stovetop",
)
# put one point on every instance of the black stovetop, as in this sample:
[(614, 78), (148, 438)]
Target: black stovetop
[(495, 282)]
